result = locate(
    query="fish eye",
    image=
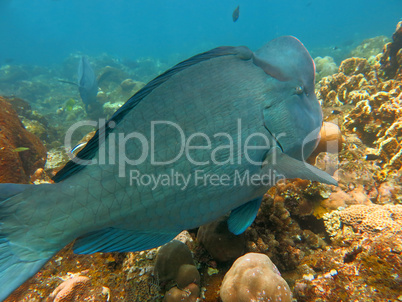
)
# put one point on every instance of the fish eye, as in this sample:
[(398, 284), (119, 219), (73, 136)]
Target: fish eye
[(299, 89)]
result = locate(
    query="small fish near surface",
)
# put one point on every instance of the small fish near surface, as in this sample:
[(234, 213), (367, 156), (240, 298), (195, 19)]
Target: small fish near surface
[(212, 134), (236, 13)]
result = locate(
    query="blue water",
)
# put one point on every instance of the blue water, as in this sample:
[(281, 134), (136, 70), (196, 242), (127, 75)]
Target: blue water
[(46, 31)]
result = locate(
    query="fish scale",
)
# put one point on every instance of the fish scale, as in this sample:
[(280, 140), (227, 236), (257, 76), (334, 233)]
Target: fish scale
[(250, 97)]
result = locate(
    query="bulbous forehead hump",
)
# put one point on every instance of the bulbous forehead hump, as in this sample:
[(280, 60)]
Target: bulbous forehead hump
[(285, 58)]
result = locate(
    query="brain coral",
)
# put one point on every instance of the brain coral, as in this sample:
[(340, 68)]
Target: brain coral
[(373, 218), (253, 277)]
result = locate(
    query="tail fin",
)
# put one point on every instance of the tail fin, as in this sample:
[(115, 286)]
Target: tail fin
[(18, 260), (13, 270)]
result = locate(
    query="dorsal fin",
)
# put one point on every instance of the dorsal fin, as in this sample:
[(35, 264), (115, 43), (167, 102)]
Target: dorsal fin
[(89, 151)]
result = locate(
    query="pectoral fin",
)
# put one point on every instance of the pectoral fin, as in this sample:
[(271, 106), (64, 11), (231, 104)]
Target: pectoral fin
[(242, 217), (289, 167)]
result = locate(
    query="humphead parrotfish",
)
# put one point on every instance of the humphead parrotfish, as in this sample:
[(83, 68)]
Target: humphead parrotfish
[(206, 138)]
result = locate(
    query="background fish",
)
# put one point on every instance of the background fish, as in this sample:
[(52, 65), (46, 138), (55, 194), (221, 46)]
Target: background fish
[(266, 95), (87, 84), (235, 14)]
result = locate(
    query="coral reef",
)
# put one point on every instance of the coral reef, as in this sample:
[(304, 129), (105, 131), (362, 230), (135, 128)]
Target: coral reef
[(253, 277), (366, 254), (374, 105), (285, 228), (359, 269), (110, 108)]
